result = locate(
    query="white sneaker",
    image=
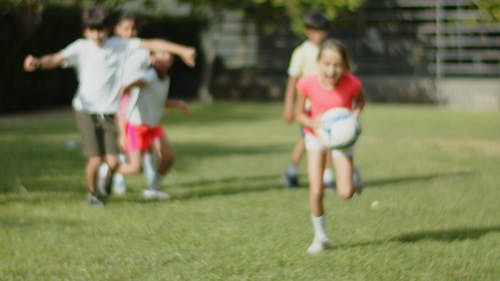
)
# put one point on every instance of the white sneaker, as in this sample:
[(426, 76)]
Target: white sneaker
[(119, 185), (318, 246), (155, 194)]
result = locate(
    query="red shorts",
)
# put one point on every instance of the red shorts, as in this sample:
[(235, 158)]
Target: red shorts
[(140, 137)]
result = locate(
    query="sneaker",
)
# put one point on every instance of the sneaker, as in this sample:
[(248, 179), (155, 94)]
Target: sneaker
[(318, 246), (119, 186), (330, 185), (155, 194), (119, 189), (95, 200), (290, 180)]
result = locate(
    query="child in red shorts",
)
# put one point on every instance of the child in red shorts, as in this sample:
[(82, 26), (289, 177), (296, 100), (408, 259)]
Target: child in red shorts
[(143, 133)]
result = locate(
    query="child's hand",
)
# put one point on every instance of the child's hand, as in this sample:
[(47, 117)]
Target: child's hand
[(185, 108), (288, 116), (189, 57), (31, 63), (316, 123)]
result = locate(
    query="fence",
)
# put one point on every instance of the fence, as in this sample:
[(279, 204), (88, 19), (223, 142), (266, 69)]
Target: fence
[(441, 38), (432, 51)]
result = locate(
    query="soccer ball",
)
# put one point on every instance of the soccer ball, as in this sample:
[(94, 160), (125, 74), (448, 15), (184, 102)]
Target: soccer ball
[(339, 128)]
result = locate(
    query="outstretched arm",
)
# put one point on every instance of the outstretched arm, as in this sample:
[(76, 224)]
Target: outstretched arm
[(178, 104), (32, 63), (187, 54)]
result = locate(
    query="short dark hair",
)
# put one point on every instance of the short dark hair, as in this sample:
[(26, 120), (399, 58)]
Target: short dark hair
[(96, 17), (316, 20)]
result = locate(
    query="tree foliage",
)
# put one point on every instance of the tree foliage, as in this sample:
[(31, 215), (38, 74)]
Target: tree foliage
[(490, 8), (268, 11)]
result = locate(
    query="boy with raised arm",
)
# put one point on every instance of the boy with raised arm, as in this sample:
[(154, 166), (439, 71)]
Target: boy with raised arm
[(99, 62)]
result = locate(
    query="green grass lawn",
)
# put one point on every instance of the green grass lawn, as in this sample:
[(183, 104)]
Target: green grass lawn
[(435, 173)]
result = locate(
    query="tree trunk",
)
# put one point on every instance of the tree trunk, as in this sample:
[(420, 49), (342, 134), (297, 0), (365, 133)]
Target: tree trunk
[(210, 42)]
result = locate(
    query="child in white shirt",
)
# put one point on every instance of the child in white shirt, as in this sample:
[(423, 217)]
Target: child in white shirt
[(99, 61)]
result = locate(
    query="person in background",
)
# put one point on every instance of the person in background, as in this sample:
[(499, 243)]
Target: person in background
[(143, 132), (304, 62)]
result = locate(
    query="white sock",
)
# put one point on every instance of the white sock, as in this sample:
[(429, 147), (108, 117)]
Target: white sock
[(118, 180), (157, 179), (292, 170), (149, 168), (319, 228)]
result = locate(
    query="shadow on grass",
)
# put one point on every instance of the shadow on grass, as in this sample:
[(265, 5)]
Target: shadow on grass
[(229, 187), (445, 235), (199, 150), (417, 178), (230, 180), (205, 188)]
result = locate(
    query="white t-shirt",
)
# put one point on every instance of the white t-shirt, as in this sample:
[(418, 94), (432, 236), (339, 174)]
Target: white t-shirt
[(304, 59), (99, 70), (146, 104)]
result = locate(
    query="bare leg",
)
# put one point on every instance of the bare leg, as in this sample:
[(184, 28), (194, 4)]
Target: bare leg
[(133, 166), (91, 167), (343, 171), (315, 167), (165, 153), (290, 178), (298, 152)]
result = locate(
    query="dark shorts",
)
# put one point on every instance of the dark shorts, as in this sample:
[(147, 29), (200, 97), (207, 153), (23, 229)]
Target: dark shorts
[(99, 133)]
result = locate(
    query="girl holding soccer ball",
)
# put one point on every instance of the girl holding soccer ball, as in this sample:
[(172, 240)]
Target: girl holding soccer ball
[(332, 86)]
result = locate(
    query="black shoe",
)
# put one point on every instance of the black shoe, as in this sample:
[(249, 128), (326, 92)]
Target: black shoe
[(330, 186), (95, 200), (108, 186), (290, 180)]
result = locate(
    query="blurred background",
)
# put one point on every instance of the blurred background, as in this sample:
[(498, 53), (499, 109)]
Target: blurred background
[(444, 52)]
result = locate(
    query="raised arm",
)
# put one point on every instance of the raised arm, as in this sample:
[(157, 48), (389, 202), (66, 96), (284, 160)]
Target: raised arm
[(50, 61), (187, 54)]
